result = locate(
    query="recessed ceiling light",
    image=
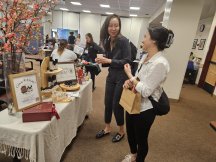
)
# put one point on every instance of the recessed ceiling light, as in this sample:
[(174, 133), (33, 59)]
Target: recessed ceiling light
[(133, 15), (135, 8), (76, 3), (105, 6), (64, 9), (87, 11), (109, 13)]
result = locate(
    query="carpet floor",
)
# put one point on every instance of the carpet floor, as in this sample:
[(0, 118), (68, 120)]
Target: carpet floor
[(184, 135)]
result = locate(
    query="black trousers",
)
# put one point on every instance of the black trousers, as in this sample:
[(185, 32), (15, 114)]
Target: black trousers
[(113, 91), (138, 126), (92, 73)]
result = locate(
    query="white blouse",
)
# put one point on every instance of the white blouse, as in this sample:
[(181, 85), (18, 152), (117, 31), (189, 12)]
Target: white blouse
[(152, 75), (66, 56)]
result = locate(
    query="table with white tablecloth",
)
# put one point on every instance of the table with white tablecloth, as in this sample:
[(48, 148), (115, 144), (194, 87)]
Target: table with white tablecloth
[(45, 141)]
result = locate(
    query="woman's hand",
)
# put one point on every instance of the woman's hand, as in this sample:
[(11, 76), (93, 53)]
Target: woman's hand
[(103, 60), (127, 69), (127, 84)]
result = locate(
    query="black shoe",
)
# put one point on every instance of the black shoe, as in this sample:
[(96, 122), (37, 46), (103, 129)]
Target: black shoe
[(93, 89), (101, 134), (118, 137)]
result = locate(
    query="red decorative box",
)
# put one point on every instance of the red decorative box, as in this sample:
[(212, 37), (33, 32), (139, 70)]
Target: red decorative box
[(41, 112)]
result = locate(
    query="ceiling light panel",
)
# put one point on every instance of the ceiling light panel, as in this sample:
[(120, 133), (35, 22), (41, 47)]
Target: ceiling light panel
[(133, 15), (109, 13), (134, 8), (87, 11), (76, 3), (105, 6), (64, 9)]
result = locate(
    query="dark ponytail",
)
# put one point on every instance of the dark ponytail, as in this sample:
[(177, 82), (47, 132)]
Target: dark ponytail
[(162, 36)]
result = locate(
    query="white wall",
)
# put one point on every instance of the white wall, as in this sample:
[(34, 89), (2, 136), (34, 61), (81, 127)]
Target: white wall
[(202, 35), (132, 28), (143, 30), (184, 18), (70, 20), (206, 48), (90, 23)]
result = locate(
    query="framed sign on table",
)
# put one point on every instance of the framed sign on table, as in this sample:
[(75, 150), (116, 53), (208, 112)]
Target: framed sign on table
[(68, 73), (25, 90)]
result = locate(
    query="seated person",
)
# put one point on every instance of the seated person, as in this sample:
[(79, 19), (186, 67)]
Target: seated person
[(192, 69), (62, 54)]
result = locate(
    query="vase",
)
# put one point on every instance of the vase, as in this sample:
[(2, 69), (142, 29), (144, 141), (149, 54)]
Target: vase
[(13, 63)]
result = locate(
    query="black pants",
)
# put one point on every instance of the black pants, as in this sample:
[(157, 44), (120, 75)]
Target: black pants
[(92, 73), (138, 126), (114, 87)]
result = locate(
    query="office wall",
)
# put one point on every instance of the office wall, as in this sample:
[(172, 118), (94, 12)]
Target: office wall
[(183, 22), (202, 35), (143, 29), (208, 41), (91, 23)]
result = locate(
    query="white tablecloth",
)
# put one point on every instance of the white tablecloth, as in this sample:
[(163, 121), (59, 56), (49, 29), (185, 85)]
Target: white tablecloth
[(45, 141)]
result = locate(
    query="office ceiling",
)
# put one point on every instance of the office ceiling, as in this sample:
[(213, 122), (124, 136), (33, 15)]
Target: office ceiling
[(120, 7)]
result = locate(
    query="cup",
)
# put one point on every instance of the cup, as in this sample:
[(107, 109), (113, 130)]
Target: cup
[(99, 55)]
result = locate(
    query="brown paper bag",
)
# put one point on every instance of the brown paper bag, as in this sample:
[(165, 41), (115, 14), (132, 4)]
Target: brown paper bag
[(130, 101)]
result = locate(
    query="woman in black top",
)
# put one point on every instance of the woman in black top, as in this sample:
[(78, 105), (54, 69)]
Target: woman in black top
[(91, 51), (118, 53)]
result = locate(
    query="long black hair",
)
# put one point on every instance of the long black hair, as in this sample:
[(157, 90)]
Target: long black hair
[(162, 36), (104, 35)]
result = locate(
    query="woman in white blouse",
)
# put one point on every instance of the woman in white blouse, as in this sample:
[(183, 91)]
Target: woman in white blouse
[(62, 54), (151, 74)]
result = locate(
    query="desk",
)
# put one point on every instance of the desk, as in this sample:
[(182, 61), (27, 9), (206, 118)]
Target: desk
[(45, 141)]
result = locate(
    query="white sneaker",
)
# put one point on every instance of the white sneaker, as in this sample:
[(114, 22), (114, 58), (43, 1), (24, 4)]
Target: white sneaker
[(129, 158)]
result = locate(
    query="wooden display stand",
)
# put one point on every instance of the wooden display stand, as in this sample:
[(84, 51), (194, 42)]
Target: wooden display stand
[(44, 73)]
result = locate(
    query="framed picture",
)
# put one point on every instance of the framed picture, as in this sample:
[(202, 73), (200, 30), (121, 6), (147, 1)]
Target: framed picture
[(201, 44), (194, 43), (25, 90), (68, 73)]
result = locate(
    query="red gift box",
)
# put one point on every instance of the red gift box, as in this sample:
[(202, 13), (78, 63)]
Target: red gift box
[(42, 112)]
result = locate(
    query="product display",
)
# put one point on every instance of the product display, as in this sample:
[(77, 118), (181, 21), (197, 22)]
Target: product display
[(70, 87), (41, 112)]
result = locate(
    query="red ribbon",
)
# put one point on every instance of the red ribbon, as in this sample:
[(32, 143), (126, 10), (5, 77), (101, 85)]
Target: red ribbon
[(55, 113)]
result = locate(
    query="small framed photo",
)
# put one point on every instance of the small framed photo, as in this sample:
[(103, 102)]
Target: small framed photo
[(25, 90), (194, 43), (201, 44), (68, 73)]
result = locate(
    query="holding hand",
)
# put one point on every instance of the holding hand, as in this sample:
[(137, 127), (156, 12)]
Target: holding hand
[(127, 84), (103, 60), (127, 69)]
